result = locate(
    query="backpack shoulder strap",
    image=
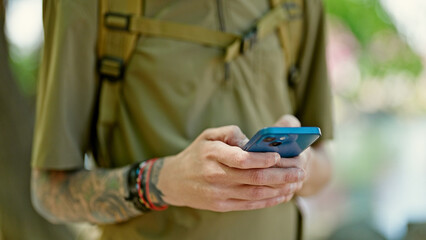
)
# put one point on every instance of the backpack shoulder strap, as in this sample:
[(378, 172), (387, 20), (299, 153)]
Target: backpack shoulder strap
[(290, 36), (114, 48), (290, 40), (115, 45)]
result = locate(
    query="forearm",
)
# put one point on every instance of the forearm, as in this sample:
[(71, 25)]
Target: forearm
[(96, 196), (320, 171)]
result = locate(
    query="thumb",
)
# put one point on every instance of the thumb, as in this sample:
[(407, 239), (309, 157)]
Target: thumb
[(288, 121), (231, 135)]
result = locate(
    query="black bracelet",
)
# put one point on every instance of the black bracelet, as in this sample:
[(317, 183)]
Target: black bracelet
[(132, 186)]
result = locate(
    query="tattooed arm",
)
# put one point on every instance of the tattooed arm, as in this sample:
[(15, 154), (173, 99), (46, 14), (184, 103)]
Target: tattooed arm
[(212, 173), (96, 196)]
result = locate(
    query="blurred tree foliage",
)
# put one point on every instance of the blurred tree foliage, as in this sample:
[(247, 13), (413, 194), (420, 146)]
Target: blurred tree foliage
[(373, 27), (23, 63), (25, 68)]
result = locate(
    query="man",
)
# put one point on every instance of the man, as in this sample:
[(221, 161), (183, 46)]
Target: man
[(183, 112)]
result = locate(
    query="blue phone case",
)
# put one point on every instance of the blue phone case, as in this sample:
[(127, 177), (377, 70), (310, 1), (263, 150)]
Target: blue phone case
[(288, 142)]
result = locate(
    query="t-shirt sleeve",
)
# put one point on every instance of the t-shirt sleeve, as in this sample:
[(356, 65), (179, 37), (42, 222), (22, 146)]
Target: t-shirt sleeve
[(67, 85), (314, 91)]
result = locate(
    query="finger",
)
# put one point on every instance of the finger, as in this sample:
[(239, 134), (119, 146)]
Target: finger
[(235, 157), (288, 121), (290, 187), (266, 176), (254, 193), (231, 135), (296, 162), (240, 205)]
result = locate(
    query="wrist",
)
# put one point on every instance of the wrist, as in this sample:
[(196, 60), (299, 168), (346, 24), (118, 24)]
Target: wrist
[(142, 186), (154, 196)]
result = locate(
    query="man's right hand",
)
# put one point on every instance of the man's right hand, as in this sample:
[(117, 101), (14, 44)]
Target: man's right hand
[(214, 173)]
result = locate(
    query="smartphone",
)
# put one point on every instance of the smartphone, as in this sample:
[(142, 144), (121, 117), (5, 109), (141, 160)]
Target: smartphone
[(288, 142)]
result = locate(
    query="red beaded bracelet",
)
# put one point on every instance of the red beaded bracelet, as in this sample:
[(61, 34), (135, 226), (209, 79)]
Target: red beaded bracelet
[(139, 185), (151, 205)]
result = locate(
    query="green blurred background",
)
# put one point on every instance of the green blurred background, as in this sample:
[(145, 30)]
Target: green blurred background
[(376, 56)]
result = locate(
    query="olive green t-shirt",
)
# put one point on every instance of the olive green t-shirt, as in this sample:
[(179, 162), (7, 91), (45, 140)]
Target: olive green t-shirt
[(171, 92)]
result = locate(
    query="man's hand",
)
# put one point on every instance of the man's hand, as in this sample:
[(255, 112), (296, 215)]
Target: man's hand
[(214, 173)]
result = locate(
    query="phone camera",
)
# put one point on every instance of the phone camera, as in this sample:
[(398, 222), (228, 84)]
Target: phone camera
[(275, 144), (269, 139)]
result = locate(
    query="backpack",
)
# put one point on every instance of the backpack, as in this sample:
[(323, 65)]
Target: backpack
[(122, 21)]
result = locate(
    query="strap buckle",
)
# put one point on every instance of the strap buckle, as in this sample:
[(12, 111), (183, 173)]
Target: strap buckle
[(293, 75), (248, 40), (111, 68), (293, 10), (117, 21)]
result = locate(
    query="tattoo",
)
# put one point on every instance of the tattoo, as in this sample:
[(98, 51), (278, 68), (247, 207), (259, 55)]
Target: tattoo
[(155, 194), (95, 196)]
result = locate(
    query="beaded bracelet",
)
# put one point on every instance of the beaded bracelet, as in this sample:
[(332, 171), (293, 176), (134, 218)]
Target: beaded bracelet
[(139, 185), (132, 182), (138, 182)]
